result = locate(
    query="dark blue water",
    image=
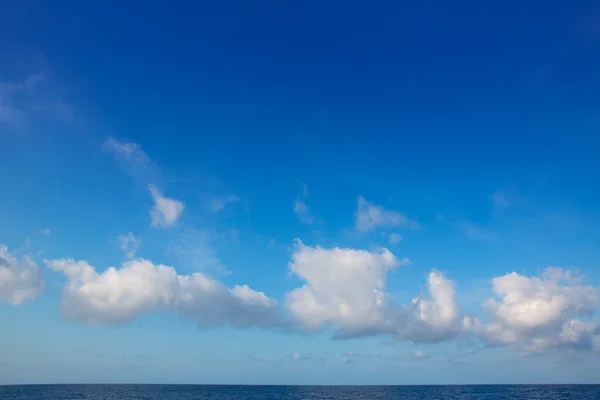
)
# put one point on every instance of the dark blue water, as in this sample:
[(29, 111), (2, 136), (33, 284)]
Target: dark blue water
[(177, 392)]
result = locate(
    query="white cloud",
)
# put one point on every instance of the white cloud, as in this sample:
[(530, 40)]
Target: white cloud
[(344, 287), (394, 238), (369, 216), (45, 231), (129, 244), (303, 212), (218, 203), (130, 153), (166, 211), (345, 290), (298, 356), (19, 280), (35, 96), (436, 318), (539, 314), (140, 287)]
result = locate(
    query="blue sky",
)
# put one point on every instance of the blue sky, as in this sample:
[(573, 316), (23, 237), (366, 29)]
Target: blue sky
[(304, 194)]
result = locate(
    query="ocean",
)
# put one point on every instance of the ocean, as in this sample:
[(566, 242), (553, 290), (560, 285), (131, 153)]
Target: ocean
[(209, 392)]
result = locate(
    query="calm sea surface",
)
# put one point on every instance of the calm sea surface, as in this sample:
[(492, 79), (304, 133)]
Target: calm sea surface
[(176, 392)]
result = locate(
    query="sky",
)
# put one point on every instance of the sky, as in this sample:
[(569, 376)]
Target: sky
[(299, 193)]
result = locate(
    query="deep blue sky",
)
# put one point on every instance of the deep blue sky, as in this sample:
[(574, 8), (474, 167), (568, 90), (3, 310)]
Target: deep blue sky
[(479, 122)]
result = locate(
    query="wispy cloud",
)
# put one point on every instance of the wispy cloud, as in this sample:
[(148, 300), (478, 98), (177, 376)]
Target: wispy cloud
[(301, 208), (130, 153), (129, 244), (45, 231), (35, 96), (369, 216), (303, 212), (196, 251), (218, 203), (393, 237), (299, 357)]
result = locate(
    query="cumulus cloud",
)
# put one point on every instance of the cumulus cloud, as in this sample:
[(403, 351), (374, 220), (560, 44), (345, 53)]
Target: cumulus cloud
[(20, 280), (129, 244), (434, 318), (140, 287), (166, 211), (345, 290), (344, 287), (369, 216), (539, 313)]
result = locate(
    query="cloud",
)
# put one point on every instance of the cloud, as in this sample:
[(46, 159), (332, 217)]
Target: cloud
[(303, 212), (166, 211), (299, 357), (344, 287), (130, 153), (45, 231), (219, 203), (129, 244), (369, 216), (132, 160), (539, 313), (434, 318), (139, 287), (196, 250), (33, 97), (394, 238), (345, 290), (19, 280)]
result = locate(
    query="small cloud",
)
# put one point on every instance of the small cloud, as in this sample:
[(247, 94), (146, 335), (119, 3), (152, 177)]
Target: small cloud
[(219, 203), (271, 243), (394, 238), (299, 357), (418, 355), (131, 153), (166, 211), (196, 250), (34, 97), (303, 212), (129, 244), (349, 354), (346, 360), (303, 186), (369, 216), (132, 160), (45, 231)]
